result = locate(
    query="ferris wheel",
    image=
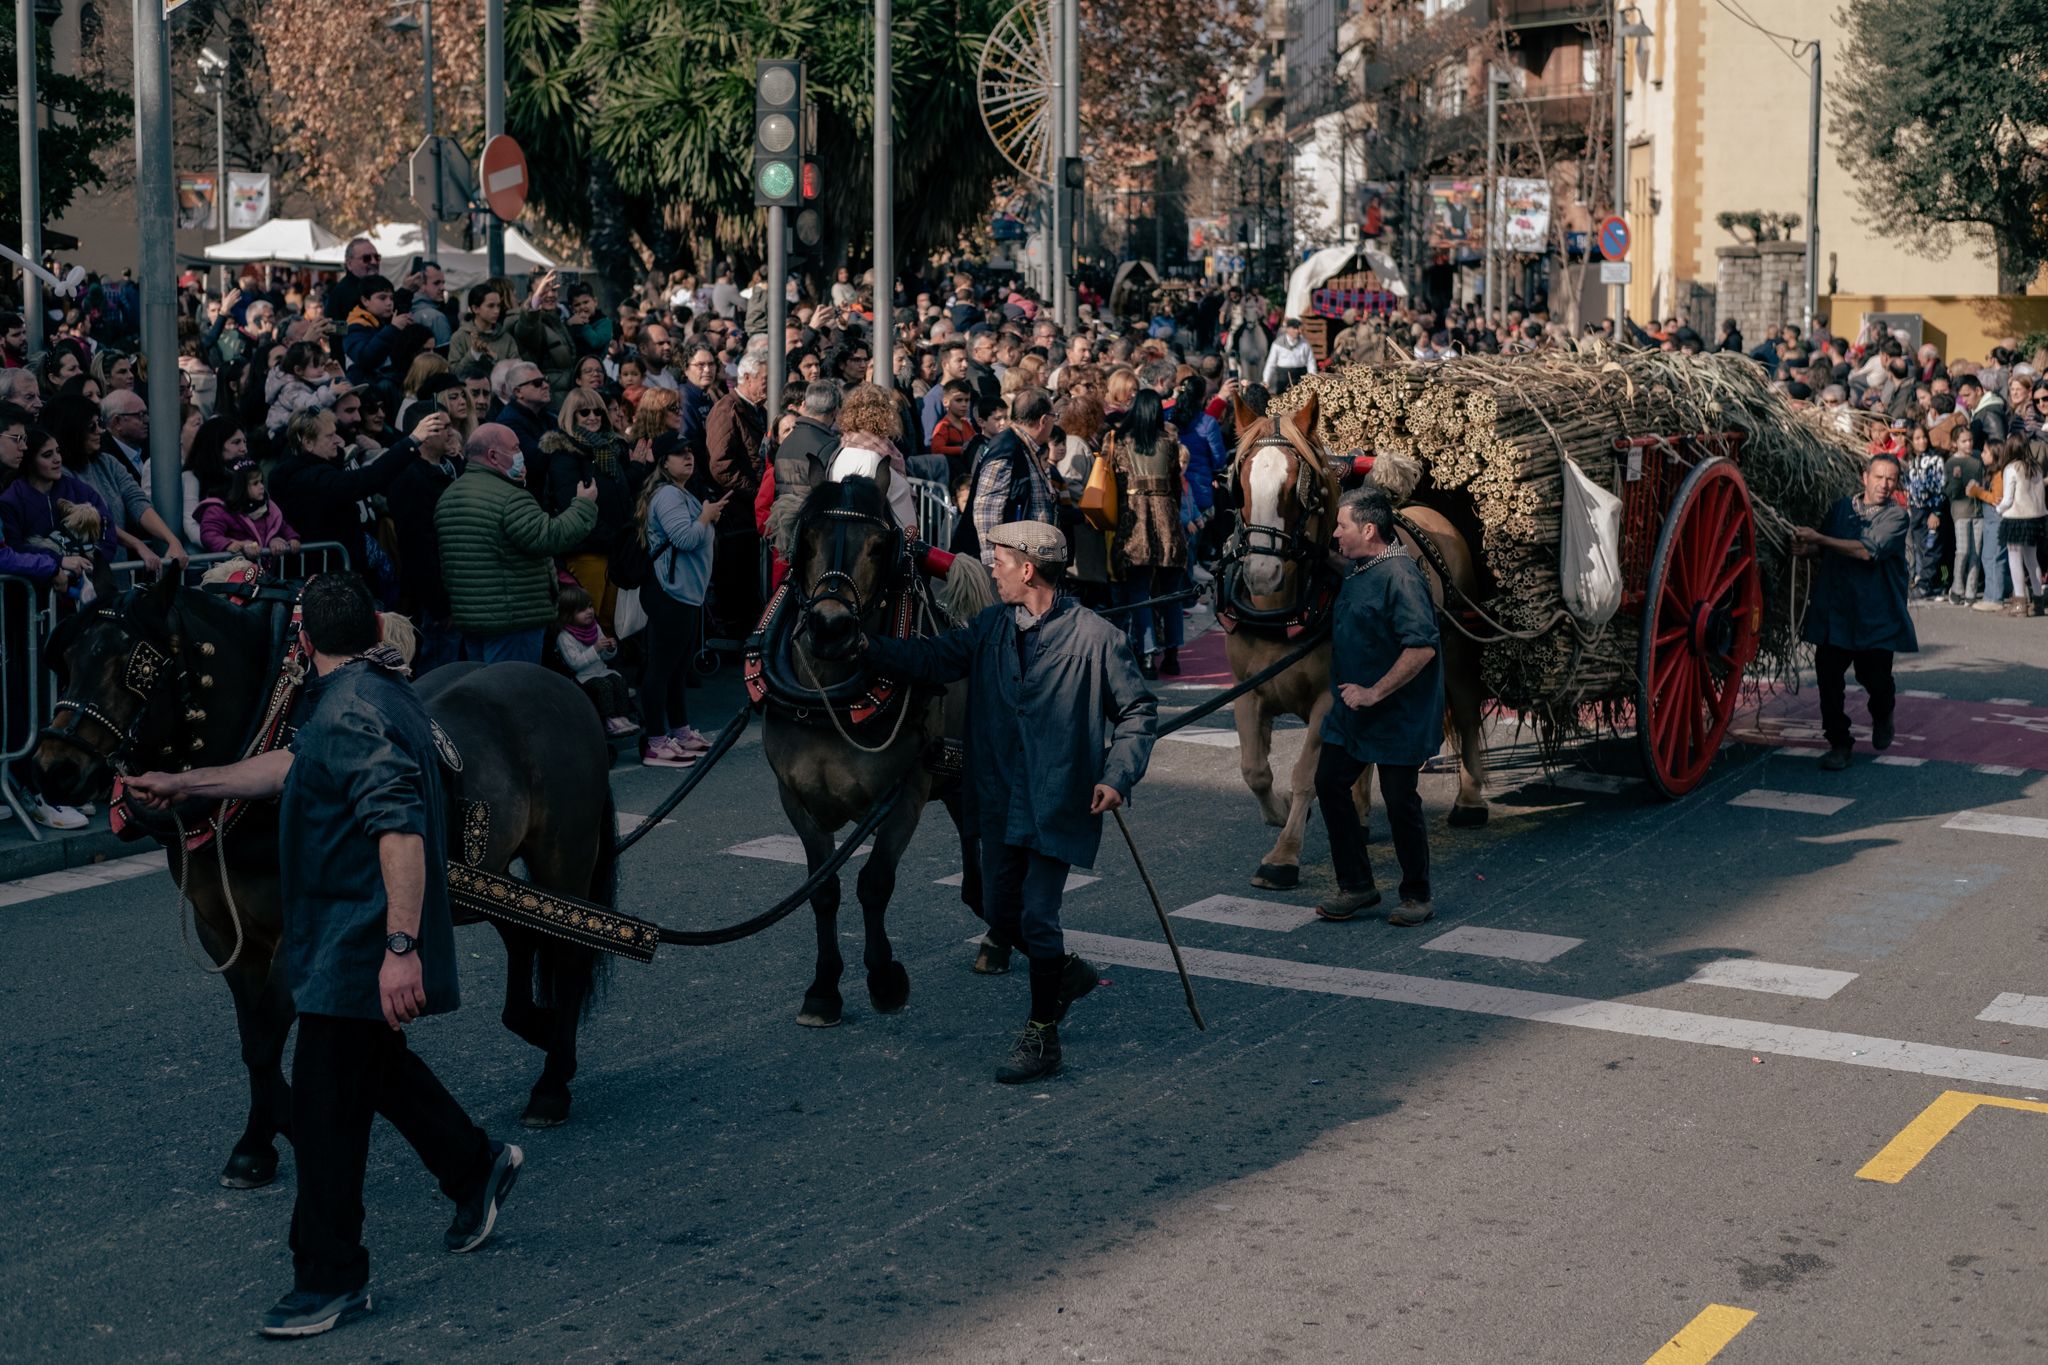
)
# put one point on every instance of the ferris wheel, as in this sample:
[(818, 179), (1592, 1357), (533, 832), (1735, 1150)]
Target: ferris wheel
[(1015, 88)]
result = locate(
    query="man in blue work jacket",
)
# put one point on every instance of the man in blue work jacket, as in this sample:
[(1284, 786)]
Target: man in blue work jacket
[(1059, 729)]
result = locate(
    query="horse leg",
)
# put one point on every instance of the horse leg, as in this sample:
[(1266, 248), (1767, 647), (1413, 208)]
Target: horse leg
[(888, 982), (1280, 869), (524, 1018), (1255, 754), (263, 1016), (822, 1005), (1467, 720), (566, 974)]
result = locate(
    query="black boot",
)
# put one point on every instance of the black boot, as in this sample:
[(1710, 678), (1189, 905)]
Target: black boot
[(1077, 978), (1169, 663), (1048, 988), (1035, 1055)]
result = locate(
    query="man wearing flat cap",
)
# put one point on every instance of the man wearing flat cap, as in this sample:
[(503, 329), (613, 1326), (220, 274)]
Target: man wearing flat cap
[(1059, 729)]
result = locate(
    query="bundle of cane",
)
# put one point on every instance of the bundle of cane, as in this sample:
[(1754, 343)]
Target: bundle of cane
[(1492, 433)]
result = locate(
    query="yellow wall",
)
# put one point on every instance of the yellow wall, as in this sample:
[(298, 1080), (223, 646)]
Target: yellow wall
[(1964, 326)]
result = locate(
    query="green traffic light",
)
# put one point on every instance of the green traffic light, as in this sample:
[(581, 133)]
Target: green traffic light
[(777, 179)]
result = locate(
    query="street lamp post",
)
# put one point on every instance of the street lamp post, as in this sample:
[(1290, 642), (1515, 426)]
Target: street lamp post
[(26, 112), (213, 64), (157, 260), (494, 119), (404, 22), (1630, 25), (885, 201)]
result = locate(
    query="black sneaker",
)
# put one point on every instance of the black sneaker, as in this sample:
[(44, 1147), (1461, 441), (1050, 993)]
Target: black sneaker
[(1835, 759), (1035, 1056), (305, 1313), (1881, 733), (474, 1220), (1077, 978)]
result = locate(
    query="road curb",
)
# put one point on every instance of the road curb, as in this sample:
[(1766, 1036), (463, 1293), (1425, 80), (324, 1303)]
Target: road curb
[(58, 852)]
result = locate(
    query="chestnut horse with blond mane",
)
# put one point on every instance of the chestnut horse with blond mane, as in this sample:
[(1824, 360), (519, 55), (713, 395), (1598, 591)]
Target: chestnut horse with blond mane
[(1276, 587)]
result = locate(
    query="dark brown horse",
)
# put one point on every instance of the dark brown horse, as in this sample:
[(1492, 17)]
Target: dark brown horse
[(177, 677), (1274, 571), (835, 756)]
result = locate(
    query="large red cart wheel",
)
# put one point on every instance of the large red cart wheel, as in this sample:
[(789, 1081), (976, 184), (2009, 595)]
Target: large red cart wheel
[(1701, 619)]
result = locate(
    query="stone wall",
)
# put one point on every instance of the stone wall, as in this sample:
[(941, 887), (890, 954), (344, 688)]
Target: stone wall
[(1762, 286)]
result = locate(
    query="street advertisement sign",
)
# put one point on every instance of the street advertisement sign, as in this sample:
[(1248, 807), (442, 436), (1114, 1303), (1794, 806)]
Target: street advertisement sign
[(1457, 209), (198, 200), (1206, 235), (1524, 215), (248, 199)]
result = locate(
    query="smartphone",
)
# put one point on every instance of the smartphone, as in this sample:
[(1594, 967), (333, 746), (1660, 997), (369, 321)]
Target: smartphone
[(414, 268)]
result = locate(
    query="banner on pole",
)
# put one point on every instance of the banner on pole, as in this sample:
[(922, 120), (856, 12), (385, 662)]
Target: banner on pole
[(1456, 215), (1524, 215), (198, 200), (248, 199)]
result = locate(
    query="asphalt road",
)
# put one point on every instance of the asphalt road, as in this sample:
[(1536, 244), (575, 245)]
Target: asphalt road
[(1382, 1149)]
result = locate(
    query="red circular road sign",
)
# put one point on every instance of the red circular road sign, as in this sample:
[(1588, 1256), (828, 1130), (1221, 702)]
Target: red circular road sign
[(1612, 238), (502, 174)]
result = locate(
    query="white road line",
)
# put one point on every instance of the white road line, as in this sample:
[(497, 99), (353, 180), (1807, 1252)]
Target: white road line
[(2028, 1011), (782, 848), (1795, 752), (1604, 1016), (1899, 761), (84, 878), (1804, 803), (1075, 880), (1213, 738), (1778, 978), (1929, 696), (629, 822), (2000, 770), (1508, 943), (2010, 701), (1990, 822), (1247, 913)]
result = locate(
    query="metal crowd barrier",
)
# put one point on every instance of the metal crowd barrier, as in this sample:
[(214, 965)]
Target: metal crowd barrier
[(28, 610), (936, 515)]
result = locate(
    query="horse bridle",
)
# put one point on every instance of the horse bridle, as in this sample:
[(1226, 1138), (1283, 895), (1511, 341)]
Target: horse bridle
[(1286, 543), (146, 670), (835, 583)]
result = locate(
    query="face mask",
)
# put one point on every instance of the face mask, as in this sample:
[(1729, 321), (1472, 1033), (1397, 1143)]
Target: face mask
[(517, 471)]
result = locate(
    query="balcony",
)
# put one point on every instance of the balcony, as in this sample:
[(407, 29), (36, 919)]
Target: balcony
[(1266, 88), (1540, 13)]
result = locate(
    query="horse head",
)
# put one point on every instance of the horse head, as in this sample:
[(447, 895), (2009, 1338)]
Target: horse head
[(1287, 498), (846, 563), (137, 676)]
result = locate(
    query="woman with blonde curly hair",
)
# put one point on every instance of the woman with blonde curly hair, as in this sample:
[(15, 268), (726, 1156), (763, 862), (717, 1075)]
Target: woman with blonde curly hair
[(869, 427), (659, 413), (1118, 391)]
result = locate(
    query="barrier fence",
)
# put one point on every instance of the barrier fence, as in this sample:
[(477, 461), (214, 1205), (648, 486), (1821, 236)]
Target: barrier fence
[(28, 611), (936, 515)]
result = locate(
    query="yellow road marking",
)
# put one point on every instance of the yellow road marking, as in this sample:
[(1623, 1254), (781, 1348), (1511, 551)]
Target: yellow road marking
[(1936, 1122), (1702, 1339)]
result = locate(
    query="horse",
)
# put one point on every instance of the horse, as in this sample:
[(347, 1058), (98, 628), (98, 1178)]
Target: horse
[(169, 676), (839, 741), (1276, 587)]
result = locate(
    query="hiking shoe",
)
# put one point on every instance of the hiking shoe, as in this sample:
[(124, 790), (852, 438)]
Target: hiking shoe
[(1409, 913), (1077, 978), (1881, 733), (1346, 904), (56, 817), (306, 1313), (474, 1220), (1035, 1055), (1835, 759)]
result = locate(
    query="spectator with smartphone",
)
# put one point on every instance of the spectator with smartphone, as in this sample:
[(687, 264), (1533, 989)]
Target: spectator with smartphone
[(679, 533)]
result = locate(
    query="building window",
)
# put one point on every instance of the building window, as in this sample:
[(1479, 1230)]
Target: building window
[(1589, 67), (1447, 90)]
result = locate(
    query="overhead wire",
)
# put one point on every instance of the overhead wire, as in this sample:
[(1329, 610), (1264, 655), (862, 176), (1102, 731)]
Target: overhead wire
[(1743, 16)]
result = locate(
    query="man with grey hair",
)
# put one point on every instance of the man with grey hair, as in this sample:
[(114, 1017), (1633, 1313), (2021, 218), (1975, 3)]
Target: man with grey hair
[(20, 388), (1387, 690), (117, 472), (803, 458), (733, 434), (1158, 376), (523, 390)]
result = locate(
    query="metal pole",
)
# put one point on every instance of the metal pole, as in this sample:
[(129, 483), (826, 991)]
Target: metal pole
[(427, 112), (1055, 158), (494, 118), (885, 213), (1070, 134), (1493, 204), (1813, 199), (220, 155), (156, 272), (778, 306), (27, 109), (1615, 303)]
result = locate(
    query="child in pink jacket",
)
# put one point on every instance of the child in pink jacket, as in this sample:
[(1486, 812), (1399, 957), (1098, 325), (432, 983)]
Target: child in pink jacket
[(247, 522)]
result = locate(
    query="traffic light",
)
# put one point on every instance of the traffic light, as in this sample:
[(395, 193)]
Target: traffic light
[(778, 144)]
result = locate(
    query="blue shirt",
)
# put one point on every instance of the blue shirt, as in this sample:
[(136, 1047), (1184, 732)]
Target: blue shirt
[(1861, 603), (1382, 610)]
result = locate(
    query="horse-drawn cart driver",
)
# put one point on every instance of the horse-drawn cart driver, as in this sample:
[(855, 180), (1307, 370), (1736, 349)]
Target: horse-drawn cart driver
[(1059, 730)]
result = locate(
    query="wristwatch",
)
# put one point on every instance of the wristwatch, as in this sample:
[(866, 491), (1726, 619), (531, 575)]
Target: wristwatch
[(401, 944)]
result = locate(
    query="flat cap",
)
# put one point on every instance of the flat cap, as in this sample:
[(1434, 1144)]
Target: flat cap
[(1036, 541)]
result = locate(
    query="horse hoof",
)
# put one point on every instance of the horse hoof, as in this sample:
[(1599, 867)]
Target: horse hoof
[(819, 1013), (546, 1111), (249, 1170), (1277, 876), (889, 989), (1468, 817)]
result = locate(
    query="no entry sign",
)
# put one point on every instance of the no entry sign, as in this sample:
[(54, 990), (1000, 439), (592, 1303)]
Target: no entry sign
[(1613, 239), (503, 175)]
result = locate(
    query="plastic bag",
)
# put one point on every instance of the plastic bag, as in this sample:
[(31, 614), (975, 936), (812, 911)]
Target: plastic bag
[(1589, 557), (628, 616)]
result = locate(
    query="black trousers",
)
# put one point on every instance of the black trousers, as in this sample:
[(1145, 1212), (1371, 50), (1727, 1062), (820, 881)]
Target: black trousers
[(1400, 792), (345, 1073), (674, 633), (1873, 670), (736, 577), (1021, 890)]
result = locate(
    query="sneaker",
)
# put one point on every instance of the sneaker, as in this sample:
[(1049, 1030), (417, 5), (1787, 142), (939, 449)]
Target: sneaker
[(1169, 663), (1346, 904), (663, 752), (304, 1313), (619, 725), (1034, 1056), (1881, 733), (56, 817), (690, 738), (1982, 605), (1411, 913), (1077, 978), (1835, 759), (474, 1220)]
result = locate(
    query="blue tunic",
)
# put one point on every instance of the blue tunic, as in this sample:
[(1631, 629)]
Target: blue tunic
[(1383, 609), (364, 765), (1861, 603)]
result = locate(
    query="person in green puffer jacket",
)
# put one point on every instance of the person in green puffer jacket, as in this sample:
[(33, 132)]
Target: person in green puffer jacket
[(498, 549)]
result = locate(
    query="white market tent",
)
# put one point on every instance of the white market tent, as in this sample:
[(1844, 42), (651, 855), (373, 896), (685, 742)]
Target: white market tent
[(285, 241), (1333, 261), (398, 243)]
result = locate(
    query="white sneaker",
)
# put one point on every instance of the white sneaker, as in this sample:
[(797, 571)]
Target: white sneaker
[(1981, 605), (56, 817)]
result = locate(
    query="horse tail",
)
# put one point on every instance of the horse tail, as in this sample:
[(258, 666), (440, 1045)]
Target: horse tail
[(968, 590), (604, 877), (564, 972)]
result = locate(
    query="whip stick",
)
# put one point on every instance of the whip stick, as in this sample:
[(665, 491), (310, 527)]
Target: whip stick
[(1165, 927)]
